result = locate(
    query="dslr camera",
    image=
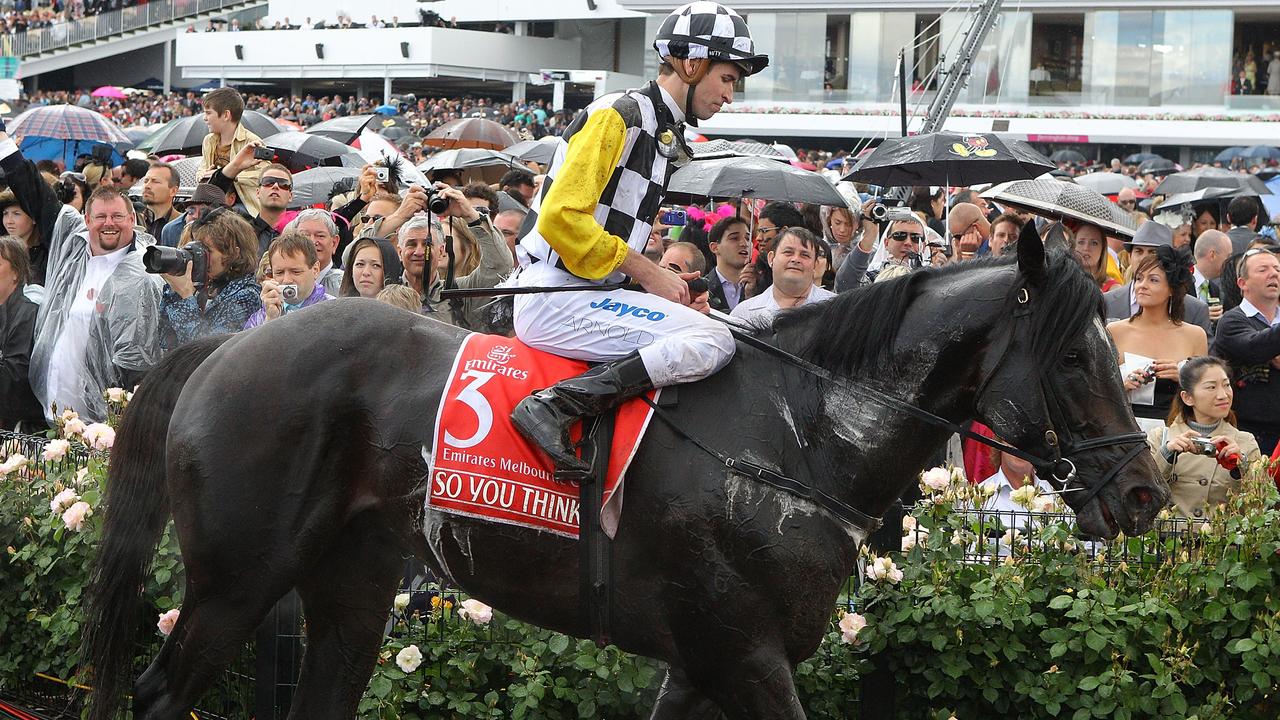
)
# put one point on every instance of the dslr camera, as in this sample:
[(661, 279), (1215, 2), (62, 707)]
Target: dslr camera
[(159, 259), (437, 203)]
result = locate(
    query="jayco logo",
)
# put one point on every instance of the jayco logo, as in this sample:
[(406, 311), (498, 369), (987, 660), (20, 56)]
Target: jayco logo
[(501, 354), (622, 309)]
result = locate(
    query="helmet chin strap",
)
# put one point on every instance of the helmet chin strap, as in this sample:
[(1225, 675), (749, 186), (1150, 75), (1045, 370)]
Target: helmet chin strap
[(700, 68)]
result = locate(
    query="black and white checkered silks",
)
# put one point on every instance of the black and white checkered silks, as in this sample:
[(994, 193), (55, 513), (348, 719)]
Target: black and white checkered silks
[(704, 29), (631, 198)]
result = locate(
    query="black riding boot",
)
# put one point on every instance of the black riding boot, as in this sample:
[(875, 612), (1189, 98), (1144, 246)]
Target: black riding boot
[(546, 416)]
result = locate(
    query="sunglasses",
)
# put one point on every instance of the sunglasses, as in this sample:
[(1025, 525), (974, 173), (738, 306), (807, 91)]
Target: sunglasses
[(279, 182), (900, 236)]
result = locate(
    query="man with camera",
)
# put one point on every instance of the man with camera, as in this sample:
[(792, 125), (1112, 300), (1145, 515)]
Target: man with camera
[(294, 271), (318, 226), (99, 327), (271, 194), (904, 241)]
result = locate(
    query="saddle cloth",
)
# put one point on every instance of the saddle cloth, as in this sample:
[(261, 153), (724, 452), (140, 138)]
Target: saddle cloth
[(483, 467)]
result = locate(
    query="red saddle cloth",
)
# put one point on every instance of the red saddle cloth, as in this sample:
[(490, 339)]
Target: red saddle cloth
[(483, 467)]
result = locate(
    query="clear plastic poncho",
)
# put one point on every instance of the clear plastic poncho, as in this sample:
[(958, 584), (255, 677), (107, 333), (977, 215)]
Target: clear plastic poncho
[(121, 334)]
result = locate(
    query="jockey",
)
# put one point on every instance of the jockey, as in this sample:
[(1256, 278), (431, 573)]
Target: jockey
[(590, 223)]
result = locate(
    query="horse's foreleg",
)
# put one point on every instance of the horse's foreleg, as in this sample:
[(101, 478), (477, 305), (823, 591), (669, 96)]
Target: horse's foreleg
[(753, 685), (346, 600), (678, 700)]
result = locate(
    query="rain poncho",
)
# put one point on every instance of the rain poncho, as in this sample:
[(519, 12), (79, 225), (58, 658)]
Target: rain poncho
[(118, 336)]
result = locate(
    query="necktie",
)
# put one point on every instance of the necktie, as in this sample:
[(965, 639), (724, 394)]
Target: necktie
[(1204, 290)]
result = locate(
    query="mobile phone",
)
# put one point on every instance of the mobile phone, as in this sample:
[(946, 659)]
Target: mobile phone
[(264, 153)]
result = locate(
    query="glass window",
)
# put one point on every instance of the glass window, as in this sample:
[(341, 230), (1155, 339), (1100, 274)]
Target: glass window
[(796, 60)]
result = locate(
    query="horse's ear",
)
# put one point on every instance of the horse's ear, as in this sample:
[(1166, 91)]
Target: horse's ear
[(1031, 254)]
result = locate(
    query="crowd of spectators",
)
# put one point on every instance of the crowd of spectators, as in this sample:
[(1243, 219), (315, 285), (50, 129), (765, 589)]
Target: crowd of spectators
[(1187, 288)]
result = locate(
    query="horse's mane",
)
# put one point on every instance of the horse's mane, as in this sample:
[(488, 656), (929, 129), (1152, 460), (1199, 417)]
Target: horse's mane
[(856, 331)]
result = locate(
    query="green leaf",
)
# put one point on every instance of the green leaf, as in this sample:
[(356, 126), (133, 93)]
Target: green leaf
[(1061, 602), (558, 644), (1095, 641)]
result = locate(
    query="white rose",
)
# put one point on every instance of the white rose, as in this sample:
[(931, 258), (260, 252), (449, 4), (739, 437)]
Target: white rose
[(913, 538), (75, 515), (81, 474), (74, 426), (167, 622), (476, 611), (55, 450), (1010, 537), (63, 500), (100, 436), (850, 625), (401, 602), (957, 476), (935, 480), (1044, 504), (115, 395), (1024, 496), (883, 568), (15, 461), (908, 523), (409, 658), (68, 415)]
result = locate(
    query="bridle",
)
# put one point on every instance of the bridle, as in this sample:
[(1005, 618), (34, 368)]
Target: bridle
[(1059, 470)]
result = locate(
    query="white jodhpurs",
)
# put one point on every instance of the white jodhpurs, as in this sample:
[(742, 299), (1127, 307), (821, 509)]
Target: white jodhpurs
[(676, 344)]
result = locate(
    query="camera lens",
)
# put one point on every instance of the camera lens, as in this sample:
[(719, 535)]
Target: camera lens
[(879, 213), (437, 203), (166, 260)]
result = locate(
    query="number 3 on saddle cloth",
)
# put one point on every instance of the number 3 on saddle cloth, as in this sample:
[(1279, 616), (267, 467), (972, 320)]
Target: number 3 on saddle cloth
[(483, 467)]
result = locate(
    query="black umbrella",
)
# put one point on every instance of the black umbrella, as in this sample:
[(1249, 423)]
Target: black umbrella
[(300, 151), (473, 164), (1067, 156), (1063, 200), (950, 159), (319, 184), (534, 150), (394, 133), (1157, 166), (753, 177), (1211, 177), (1139, 158), (185, 136), (343, 129)]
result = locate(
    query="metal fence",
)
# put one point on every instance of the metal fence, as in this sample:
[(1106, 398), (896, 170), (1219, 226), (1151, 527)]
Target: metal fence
[(114, 22)]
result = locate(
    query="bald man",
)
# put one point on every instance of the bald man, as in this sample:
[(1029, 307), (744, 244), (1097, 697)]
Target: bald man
[(968, 229), (1127, 199), (1213, 247)]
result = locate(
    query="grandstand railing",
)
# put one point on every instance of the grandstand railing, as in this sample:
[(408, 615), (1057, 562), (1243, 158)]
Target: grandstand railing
[(115, 22)]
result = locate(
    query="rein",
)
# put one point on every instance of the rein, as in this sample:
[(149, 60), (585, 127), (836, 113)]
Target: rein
[(1062, 471)]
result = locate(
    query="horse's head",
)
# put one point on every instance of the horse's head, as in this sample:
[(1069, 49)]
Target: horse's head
[(1051, 387)]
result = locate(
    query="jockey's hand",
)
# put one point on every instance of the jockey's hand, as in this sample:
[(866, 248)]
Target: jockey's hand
[(656, 279), (702, 303)]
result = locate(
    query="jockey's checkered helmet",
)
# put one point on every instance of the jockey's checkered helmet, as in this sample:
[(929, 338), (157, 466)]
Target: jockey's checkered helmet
[(709, 30)]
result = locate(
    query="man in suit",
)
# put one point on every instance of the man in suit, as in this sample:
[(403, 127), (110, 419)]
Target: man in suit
[(733, 278), (1120, 302), (1249, 339), (1213, 247), (1242, 213)]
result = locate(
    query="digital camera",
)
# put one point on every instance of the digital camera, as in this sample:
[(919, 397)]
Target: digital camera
[(289, 293), (1204, 446), (163, 260), (438, 204)]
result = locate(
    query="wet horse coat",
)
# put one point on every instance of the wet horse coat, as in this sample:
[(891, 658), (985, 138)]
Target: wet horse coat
[(294, 458)]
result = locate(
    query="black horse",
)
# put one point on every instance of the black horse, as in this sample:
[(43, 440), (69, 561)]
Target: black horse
[(293, 458)]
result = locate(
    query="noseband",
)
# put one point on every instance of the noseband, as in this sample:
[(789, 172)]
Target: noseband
[(1060, 470)]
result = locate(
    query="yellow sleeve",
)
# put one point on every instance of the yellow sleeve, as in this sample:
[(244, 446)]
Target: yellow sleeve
[(566, 218)]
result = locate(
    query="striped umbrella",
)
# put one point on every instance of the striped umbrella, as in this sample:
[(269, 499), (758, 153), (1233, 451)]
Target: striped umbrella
[(66, 122)]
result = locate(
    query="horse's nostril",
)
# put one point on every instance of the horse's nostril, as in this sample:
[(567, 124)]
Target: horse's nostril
[(1142, 495)]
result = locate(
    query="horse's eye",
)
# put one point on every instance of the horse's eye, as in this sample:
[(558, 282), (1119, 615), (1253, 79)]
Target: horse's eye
[(1073, 358)]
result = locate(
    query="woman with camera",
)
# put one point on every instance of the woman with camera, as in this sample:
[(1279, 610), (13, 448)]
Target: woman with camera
[(1155, 339), (1201, 451), (230, 251)]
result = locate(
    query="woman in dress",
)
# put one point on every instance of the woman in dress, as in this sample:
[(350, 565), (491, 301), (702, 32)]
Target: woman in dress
[(1160, 284)]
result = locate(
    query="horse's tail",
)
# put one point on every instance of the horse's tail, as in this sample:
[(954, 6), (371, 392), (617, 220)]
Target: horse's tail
[(136, 509)]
